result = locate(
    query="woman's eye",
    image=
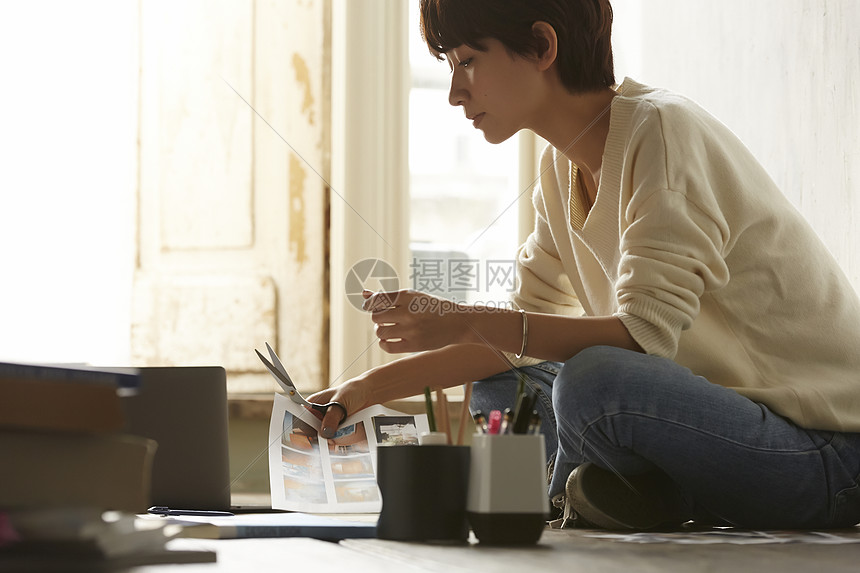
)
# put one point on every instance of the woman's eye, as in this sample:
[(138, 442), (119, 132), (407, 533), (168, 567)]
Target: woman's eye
[(466, 63)]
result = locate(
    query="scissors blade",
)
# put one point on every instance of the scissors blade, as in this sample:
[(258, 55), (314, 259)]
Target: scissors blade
[(277, 362), (284, 381)]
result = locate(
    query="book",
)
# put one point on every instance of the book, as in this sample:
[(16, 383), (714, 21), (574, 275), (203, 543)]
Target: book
[(87, 539), (274, 525), (73, 557), (50, 469), (78, 399), (119, 377), (109, 533)]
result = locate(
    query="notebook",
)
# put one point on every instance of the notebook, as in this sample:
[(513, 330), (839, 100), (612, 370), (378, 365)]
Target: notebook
[(277, 525), (184, 409)]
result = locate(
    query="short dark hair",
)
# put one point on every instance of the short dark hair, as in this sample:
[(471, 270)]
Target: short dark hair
[(583, 27)]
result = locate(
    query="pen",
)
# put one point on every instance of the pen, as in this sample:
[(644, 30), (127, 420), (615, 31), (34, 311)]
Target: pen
[(480, 422), (507, 426), (521, 386), (518, 408), (521, 424), (534, 423), (161, 510)]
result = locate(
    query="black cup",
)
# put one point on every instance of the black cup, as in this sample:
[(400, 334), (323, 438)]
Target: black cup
[(423, 493)]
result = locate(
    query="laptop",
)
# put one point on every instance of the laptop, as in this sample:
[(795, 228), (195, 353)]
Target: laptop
[(184, 409)]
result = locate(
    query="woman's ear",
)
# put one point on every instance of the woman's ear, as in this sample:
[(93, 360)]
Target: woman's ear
[(547, 43)]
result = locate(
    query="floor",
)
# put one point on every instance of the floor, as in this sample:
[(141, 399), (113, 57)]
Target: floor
[(577, 550), (558, 550)]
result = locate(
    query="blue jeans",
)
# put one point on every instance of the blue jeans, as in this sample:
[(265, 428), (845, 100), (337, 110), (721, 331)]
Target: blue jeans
[(734, 460)]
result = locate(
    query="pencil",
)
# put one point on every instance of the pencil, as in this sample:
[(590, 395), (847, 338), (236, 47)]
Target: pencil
[(521, 388), (428, 405), (464, 412), (442, 414)]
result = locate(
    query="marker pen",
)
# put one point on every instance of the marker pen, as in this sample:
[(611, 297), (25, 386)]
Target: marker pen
[(495, 422)]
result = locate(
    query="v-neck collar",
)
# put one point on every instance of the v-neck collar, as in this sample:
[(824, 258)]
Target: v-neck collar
[(577, 203)]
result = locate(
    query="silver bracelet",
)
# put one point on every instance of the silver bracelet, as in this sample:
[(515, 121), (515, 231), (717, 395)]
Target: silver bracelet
[(525, 333)]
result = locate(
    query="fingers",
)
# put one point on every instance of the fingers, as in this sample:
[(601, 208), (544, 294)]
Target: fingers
[(409, 321), (322, 397), (396, 346), (403, 302), (315, 412), (380, 301), (333, 415), (332, 419), (390, 331), (389, 307), (350, 396)]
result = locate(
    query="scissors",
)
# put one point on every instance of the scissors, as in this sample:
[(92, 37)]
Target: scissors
[(281, 377)]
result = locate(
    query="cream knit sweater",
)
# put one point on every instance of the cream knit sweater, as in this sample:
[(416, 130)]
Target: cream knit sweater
[(695, 249)]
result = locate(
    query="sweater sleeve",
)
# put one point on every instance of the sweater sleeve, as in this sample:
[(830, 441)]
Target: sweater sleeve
[(672, 252)]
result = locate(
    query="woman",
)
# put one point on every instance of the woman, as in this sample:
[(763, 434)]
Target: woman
[(715, 374)]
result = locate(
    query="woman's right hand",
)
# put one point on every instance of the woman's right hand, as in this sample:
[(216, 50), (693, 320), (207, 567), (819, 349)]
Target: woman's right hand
[(412, 321)]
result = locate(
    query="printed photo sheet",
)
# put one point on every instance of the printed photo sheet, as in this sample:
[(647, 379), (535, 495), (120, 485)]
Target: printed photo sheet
[(312, 474)]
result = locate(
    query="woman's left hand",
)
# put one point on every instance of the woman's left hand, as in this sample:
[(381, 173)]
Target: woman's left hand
[(352, 396), (411, 321)]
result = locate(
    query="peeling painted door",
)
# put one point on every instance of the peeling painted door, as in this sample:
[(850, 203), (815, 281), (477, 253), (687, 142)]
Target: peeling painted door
[(232, 188)]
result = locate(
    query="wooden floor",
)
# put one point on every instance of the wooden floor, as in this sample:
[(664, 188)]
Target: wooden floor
[(559, 550)]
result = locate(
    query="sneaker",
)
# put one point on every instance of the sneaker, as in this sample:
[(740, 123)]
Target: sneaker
[(600, 498), (563, 516)]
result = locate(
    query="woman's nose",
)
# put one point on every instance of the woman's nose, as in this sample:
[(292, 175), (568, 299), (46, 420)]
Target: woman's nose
[(457, 95)]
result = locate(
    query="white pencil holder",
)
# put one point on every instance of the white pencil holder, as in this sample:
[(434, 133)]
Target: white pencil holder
[(507, 500)]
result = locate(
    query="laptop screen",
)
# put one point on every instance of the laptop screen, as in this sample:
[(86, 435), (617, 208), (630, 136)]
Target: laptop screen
[(184, 409)]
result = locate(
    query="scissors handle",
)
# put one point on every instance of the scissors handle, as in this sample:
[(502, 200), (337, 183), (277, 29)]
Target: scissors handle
[(324, 408)]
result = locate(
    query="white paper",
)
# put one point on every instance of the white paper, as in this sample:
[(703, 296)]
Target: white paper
[(311, 474), (731, 536)]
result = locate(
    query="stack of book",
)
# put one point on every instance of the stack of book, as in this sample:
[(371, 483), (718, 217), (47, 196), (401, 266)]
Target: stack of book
[(70, 481)]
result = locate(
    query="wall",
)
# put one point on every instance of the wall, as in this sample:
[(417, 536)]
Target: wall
[(785, 76), (68, 149)]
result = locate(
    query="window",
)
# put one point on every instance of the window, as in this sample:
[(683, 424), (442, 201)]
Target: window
[(463, 191), (456, 198)]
